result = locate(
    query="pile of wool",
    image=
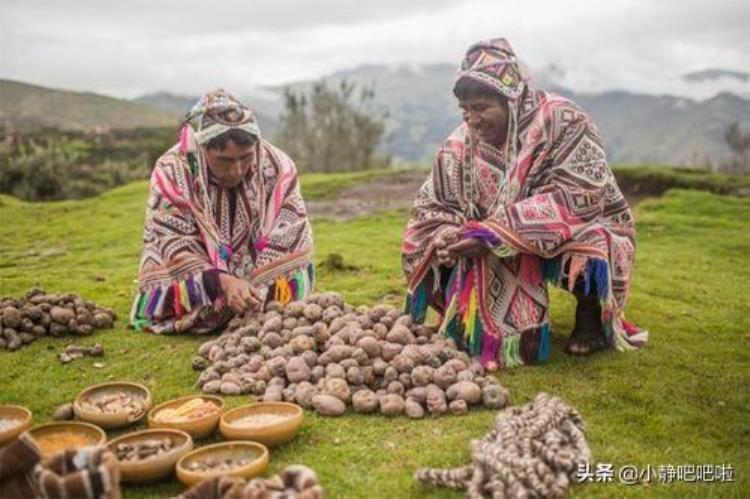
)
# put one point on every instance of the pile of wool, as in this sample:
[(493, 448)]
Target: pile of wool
[(324, 354), (37, 314)]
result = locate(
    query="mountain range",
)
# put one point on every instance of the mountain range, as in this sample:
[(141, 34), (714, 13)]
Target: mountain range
[(637, 128)]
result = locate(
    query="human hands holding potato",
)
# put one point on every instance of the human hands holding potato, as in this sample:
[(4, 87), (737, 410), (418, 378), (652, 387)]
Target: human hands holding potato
[(450, 246), (240, 295), (442, 241)]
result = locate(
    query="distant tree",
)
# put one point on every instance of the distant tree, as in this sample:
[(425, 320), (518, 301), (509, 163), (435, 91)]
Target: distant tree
[(739, 143), (329, 129)]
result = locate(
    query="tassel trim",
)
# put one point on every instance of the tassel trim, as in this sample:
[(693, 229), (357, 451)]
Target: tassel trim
[(595, 276), (294, 286), (177, 298)]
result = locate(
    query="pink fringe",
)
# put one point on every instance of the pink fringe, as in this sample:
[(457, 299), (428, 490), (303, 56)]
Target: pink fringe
[(531, 269), (184, 140)]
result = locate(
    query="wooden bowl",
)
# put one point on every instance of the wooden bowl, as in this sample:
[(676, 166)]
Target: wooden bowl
[(277, 422), (87, 433), (19, 416), (156, 467), (257, 453), (197, 428), (116, 419)]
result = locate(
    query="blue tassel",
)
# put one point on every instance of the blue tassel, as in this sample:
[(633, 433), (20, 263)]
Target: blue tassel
[(224, 252), (601, 277), (418, 306), (544, 344)]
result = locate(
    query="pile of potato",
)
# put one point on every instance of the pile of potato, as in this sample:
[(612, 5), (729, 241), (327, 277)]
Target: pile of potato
[(37, 314), (324, 354)]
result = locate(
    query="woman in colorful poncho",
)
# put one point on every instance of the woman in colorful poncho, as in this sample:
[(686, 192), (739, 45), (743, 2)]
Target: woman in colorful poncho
[(519, 195), (226, 226)]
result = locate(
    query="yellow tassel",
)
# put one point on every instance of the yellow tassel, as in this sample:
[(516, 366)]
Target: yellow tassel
[(184, 296), (471, 314), (283, 293)]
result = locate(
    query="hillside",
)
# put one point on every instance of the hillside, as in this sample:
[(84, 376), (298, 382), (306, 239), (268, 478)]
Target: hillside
[(691, 379), (637, 128), (26, 106)]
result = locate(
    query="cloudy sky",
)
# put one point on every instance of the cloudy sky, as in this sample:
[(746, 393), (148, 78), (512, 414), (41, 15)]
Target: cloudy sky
[(130, 47)]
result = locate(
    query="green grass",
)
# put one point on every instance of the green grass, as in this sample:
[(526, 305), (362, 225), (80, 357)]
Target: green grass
[(681, 400), (654, 180)]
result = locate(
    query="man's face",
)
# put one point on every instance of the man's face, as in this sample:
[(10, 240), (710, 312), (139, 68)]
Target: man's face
[(487, 118), (231, 164)]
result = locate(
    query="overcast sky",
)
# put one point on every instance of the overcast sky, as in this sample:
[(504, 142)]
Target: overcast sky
[(130, 47)]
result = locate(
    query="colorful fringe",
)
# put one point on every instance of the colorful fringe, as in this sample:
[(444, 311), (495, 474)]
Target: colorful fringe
[(186, 295), (594, 273), (463, 322), (294, 287)]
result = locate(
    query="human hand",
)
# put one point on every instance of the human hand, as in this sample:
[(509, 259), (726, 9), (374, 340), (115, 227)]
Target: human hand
[(442, 241), (470, 247), (240, 295)]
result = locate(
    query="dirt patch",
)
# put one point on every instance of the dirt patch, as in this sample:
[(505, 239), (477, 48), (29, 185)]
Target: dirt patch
[(397, 192), (389, 193)]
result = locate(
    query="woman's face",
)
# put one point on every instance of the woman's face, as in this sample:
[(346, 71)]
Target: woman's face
[(231, 164), (487, 118)]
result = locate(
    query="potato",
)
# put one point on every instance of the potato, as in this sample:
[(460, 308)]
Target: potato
[(337, 387), (273, 324), (390, 350), (444, 376), (395, 387), (365, 401), (304, 393), (273, 393), (435, 401), (297, 370), (212, 386), (422, 375), (229, 388), (272, 340), (418, 394), (354, 376), (458, 407), (313, 312), (495, 396), (413, 409), (102, 320), (392, 404), (64, 412), (467, 391), (334, 370), (328, 405), (400, 334), (11, 317), (62, 315)]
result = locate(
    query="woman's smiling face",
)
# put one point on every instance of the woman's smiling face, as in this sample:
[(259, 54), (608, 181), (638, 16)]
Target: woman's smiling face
[(487, 117)]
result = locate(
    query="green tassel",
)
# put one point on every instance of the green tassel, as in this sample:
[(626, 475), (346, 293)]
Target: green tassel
[(475, 343), (552, 269), (193, 162), (142, 303), (512, 351)]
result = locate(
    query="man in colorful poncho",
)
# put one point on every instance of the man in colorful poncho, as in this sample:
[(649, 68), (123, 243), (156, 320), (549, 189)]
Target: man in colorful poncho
[(519, 195), (226, 227)]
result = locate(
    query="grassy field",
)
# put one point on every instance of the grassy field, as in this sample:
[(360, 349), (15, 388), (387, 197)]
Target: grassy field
[(681, 400)]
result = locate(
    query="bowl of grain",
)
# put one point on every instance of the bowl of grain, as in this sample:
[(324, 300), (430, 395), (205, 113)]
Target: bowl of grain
[(14, 420), (197, 415), (270, 423), (57, 437), (237, 459)]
